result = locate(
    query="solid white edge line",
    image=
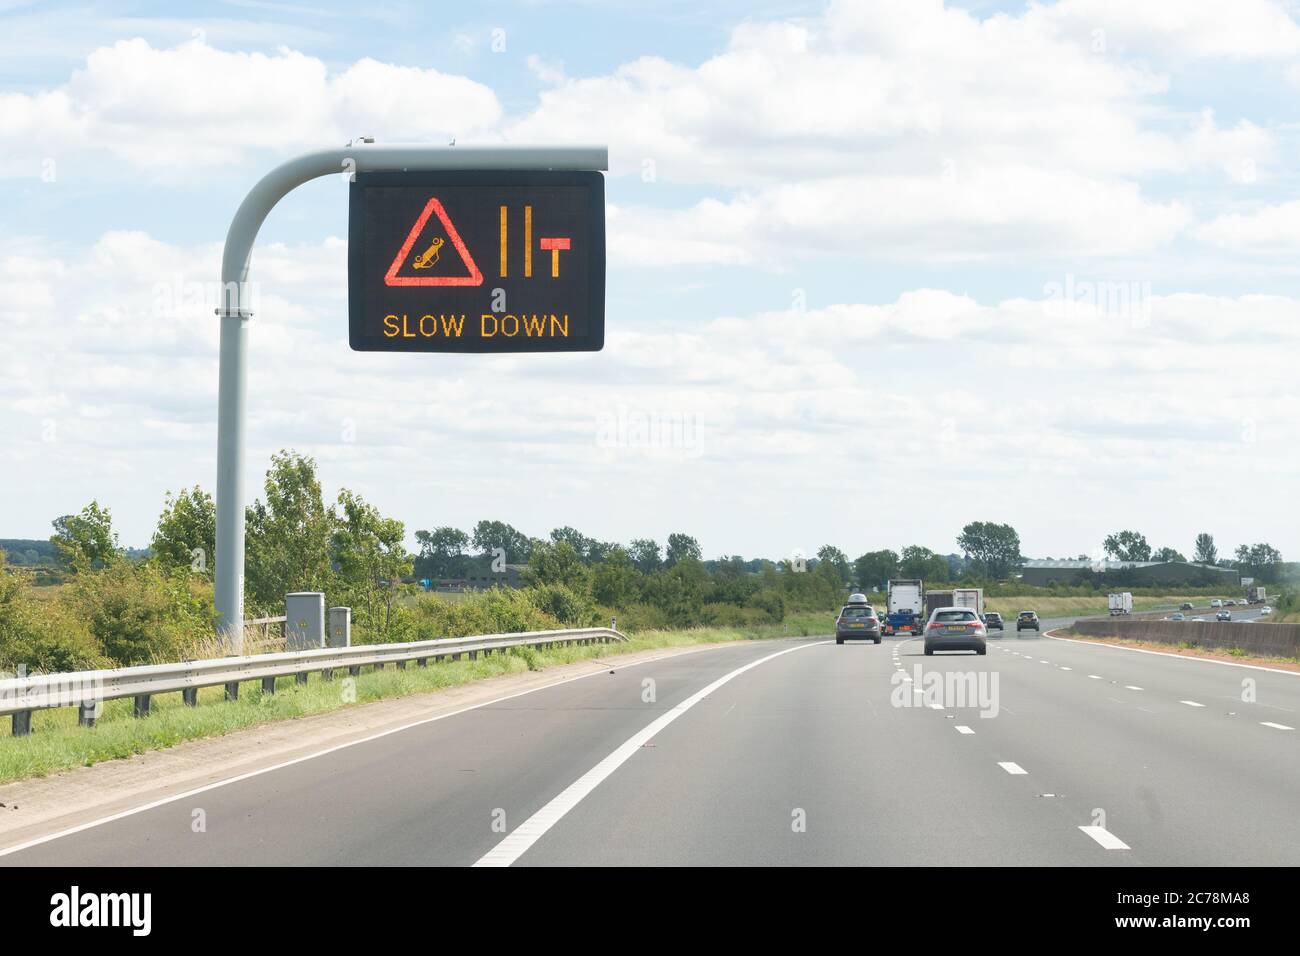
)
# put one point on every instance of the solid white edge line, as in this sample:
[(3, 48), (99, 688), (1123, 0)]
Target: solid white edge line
[(1191, 703), (162, 801), (1105, 838), (1012, 768), (1178, 657), (1269, 723), (518, 842)]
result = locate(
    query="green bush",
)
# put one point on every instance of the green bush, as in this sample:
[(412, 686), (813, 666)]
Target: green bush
[(770, 603), (141, 613), (569, 607), (498, 611), (42, 635)]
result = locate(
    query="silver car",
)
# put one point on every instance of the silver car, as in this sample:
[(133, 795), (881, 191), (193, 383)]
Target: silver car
[(955, 629)]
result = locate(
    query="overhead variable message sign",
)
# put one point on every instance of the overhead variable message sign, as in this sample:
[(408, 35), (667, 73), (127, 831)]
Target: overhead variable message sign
[(477, 261)]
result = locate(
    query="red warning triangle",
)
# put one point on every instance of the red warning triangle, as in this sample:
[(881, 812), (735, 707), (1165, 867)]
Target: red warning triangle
[(433, 206)]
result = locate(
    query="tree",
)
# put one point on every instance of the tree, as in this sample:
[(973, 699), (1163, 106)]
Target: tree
[(1168, 554), (372, 560), (873, 569), (557, 563), (442, 552), (993, 548), (833, 556), (646, 555), (919, 562), (491, 536), (679, 591), (616, 581), (186, 535), (288, 535), (1260, 561), (584, 546), (1127, 546), (85, 540), (681, 547), (1206, 552)]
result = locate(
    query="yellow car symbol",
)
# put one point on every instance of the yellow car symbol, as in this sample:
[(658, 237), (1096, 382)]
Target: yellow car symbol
[(429, 257)]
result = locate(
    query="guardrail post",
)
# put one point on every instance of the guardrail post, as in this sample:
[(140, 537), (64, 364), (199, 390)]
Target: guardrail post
[(300, 677), (190, 696), (473, 655), (355, 670), (268, 686), (232, 690), (22, 723), (437, 658), (455, 657), (422, 662), (327, 674), (88, 713), (401, 665), (142, 705)]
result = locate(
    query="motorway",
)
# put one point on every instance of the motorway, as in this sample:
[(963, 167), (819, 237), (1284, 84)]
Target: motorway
[(784, 752)]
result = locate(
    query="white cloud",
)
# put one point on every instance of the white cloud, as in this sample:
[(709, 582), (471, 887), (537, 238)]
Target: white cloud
[(198, 106), (1243, 29), (1273, 228)]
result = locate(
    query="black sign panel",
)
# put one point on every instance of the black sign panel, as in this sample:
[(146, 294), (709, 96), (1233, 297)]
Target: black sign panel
[(477, 261)]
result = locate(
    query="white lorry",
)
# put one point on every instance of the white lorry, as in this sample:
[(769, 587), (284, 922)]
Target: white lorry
[(972, 598), (1121, 603)]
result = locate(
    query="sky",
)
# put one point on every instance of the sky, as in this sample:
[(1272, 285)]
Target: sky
[(875, 269)]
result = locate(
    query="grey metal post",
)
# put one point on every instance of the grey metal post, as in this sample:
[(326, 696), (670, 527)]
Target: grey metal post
[(235, 312)]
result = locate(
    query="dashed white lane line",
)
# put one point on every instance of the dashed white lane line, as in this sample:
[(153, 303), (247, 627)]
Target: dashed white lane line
[(1191, 703), (535, 827), (1064, 668), (962, 729), (1132, 687), (935, 706), (1094, 677), (1107, 839), (1044, 662), (1012, 768), (1269, 723)]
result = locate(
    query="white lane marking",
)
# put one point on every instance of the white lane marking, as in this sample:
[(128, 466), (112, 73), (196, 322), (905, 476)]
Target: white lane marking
[(1191, 703), (1105, 838), (1181, 657), (1044, 662), (962, 729), (935, 706), (1269, 723), (1094, 677), (1064, 668), (515, 844), (1012, 768), (162, 801), (1132, 687)]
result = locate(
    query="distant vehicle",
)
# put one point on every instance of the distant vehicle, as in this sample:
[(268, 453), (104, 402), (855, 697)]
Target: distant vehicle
[(955, 629), (1230, 603), (857, 621), (1185, 606), (1224, 615), (1027, 619), (1256, 595), (1200, 619), (858, 599), (1266, 610), (1120, 603), (906, 605), (1216, 603), (1176, 617), (993, 621)]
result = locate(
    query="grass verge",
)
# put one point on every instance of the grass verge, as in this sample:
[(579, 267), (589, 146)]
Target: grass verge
[(57, 742), (1050, 607), (1184, 649)]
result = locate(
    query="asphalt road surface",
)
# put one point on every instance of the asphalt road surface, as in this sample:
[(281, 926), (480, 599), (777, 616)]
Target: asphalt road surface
[(786, 752)]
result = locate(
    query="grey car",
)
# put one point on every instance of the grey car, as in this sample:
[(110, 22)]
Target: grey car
[(955, 629), (857, 622)]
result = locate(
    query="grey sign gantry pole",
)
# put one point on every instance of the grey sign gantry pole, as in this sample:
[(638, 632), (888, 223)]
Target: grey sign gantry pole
[(232, 400)]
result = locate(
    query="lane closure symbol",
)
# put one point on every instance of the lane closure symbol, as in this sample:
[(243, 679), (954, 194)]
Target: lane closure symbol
[(430, 256)]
